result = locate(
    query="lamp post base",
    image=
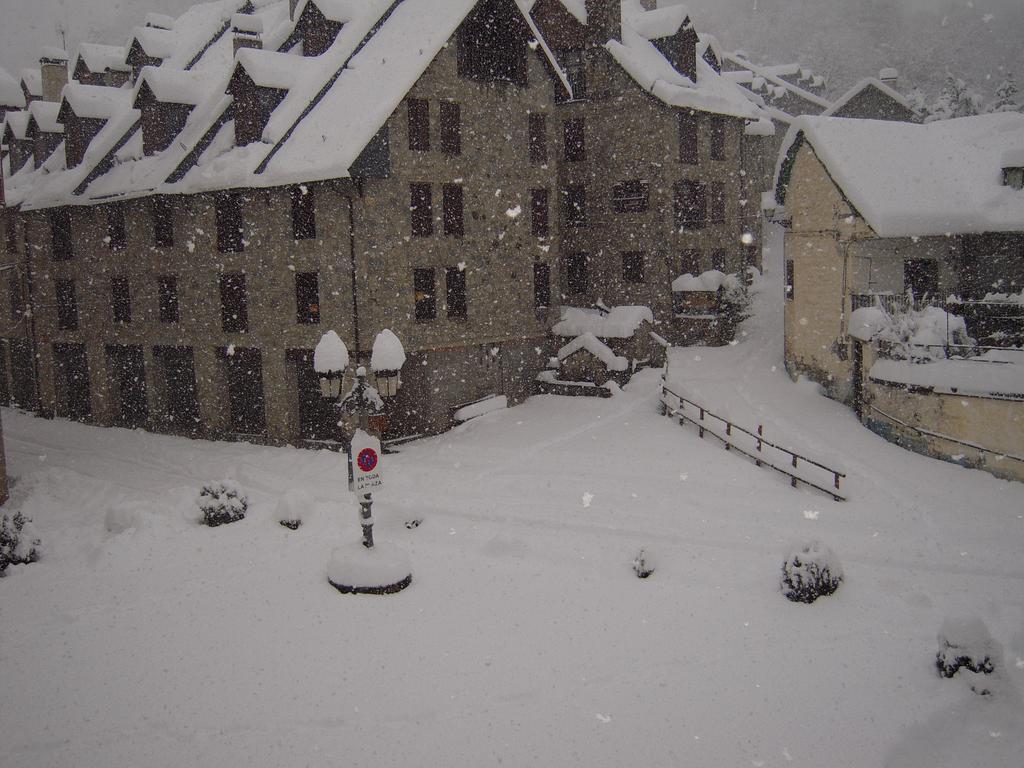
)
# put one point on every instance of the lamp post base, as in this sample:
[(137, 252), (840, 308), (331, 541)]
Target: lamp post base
[(356, 570)]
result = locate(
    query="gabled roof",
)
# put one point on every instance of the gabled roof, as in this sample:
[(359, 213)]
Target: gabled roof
[(912, 180), (762, 78), (32, 80), (93, 101), (44, 115), (99, 58), (175, 86), (867, 84), (340, 11), (16, 125), (10, 92), (152, 42), (654, 74)]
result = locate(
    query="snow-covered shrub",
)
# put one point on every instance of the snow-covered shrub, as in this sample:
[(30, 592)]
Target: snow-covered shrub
[(922, 334), (222, 503), (811, 571), (966, 644), (293, 505), (734, 299), (641, 565), (18, 544)]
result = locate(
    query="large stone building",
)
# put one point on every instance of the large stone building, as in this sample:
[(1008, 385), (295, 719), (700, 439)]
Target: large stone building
[(185, 222)]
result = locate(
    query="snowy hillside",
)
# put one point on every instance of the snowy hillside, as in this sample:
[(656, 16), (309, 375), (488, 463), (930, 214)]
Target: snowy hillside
[(143, 638)]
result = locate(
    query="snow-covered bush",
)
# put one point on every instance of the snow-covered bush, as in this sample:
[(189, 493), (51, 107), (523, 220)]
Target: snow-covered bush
[(811, 571), (642, 566), (293, 506), (966, 644), (922, 334), (222, 503), (18, 544)]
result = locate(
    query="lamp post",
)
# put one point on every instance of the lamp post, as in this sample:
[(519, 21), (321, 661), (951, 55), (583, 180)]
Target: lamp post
[(365, 568)]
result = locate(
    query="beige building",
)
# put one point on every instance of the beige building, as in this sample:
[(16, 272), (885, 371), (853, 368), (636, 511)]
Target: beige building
[(452, 171), (899, 215)]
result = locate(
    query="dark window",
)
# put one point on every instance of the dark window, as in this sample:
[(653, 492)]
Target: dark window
[(575, 141), (452, 204), (246, 404), (630, 196), (67, 305), (574, 204), (572, 61), (71, 381), (576, 273), (538, 139), (419, 124), (60, 228), (541, 286), (691, 204), (689, 263), (162, 212), (307, 298), (921, 277), (422, 209), (167, 286), (750, 256), (17, 297), (539, 223), (426, 299), (451, 128), (717, 138), (633, 267), (303, 213), (716, 205), (790, 287), (234, 313), (120, 300), (229, 223), (719, 259), (688, 137), (455, 282), (117, 235)]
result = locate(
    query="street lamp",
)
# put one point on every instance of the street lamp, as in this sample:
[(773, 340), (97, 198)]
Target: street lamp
[(386, 362), (364, 568)]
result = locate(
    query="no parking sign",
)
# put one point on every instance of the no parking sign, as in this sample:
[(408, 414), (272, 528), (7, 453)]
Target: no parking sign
[(364, 458)]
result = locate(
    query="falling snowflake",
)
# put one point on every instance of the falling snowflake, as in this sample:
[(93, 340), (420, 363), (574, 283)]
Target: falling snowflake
[(587, 498)]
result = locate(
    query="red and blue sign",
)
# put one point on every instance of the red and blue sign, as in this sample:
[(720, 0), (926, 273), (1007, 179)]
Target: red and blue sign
[(367, 459)]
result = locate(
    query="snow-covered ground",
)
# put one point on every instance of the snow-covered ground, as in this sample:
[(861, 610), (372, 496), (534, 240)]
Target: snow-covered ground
[(144, 639)]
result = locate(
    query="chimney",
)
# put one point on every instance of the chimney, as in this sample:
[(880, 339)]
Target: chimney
[(889, 76), (604, 21), (247, 31), (53, 66)]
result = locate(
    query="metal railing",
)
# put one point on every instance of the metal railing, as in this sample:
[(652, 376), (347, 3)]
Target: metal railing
[(760, 449)]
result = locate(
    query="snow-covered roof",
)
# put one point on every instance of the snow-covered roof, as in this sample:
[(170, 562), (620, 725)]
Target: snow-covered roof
[(711, 280), (578, 8), (656, 75), (332, 10), (32, 79), (95, 101), (176, 86), (616, 323), (770, 79), (863, 85), (597, 348), (10, 92), (909, 180), (17, 124), (45, 113), (154, 42), (100, 58), (660, 22)]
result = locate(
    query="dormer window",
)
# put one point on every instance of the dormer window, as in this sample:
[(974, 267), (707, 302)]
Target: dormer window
[(165, 98), (256, 101), (1013, 178), (318, 26), (492, 44)]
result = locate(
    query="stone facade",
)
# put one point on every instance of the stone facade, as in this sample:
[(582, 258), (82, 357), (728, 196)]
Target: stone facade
[(456, 211)]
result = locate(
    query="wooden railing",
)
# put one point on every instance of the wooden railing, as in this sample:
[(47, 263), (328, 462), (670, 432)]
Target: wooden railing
[(799, 469)]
